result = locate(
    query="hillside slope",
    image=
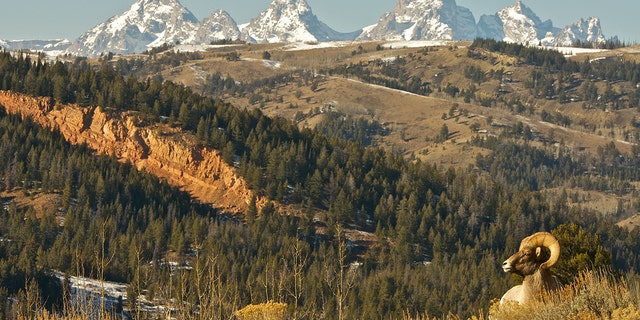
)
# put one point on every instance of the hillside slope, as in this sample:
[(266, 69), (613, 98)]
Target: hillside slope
[(482, 95), (433, 227), (165, 152)]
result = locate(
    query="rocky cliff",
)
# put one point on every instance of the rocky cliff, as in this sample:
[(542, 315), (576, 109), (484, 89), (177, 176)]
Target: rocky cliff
[(165, 152)]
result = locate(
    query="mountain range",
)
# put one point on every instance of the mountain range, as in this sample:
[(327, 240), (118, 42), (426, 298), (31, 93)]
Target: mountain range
[(151, 23), (52, 46)]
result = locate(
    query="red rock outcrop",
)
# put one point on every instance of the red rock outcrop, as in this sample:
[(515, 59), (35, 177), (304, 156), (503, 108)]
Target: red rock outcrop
[(163, 151)]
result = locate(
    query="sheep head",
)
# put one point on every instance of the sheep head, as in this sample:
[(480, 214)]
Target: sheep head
[(538, 251)]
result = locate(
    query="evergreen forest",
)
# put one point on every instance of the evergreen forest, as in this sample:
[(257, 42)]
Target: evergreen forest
[(440, 233)]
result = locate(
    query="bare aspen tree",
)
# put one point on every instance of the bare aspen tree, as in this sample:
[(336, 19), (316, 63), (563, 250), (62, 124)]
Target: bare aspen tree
[(204, 305), (77, 303), (29, 303), (205, 283), (273, 281), (299, 262), (183, 305), (134, 300), (216, 295), (102, 263), (168, 296), (217, 299), (76, 306), (210, 292), (265, 283), (341, 277)]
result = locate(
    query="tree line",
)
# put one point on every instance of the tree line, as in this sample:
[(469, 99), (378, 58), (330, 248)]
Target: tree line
[(554, 78)]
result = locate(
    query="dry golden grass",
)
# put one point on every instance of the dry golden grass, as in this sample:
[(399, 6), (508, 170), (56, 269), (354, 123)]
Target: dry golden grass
[(593, 295), (631, 222), (45, 315), (43, 203), (605, 202)]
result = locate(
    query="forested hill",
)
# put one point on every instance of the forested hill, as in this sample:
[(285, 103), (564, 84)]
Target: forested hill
[(435, 237)]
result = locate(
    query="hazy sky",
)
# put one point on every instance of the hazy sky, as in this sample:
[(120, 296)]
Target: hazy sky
[(48, 19)]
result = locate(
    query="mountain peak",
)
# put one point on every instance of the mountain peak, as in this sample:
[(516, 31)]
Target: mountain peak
[(588, 30), (217, 26), (147, 23), (518, 23), (289, 8), (301, 5), (424, 20), (518, 5), (289, 21)]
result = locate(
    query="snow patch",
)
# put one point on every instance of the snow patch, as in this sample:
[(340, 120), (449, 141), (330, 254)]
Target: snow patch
[(272, 64), (267, 63), (311, 45), (88, 294), (571, 51), (417, 44)]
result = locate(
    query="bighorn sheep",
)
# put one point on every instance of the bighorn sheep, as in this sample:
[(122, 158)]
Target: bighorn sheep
[(532, 262)]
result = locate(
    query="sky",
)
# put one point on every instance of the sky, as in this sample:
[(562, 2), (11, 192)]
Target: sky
[(57, 19)]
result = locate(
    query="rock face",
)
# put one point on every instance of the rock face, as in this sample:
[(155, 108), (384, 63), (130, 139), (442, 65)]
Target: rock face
[(423, 20), (290, 21), (162, 151)]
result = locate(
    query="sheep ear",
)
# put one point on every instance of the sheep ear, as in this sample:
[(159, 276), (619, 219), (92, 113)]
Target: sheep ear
[(538, 252)]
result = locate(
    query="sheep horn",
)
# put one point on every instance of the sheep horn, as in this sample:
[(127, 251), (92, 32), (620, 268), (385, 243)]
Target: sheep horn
[(544, 239)]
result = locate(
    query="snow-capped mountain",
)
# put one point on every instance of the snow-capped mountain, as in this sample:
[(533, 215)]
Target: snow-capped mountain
[(588, 30), (47, 46), (423, 20), (151, 23), (290, 21), (148, 23), (518, 23), (218, 26)]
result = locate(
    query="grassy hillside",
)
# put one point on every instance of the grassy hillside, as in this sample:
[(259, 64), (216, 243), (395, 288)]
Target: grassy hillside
[(473, 92), (593, 295)]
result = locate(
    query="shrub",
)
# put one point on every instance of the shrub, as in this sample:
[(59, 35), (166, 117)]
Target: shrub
[(264, 311)]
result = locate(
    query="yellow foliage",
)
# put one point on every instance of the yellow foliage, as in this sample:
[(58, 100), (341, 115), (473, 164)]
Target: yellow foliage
[(264, 311), (628, 313)]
